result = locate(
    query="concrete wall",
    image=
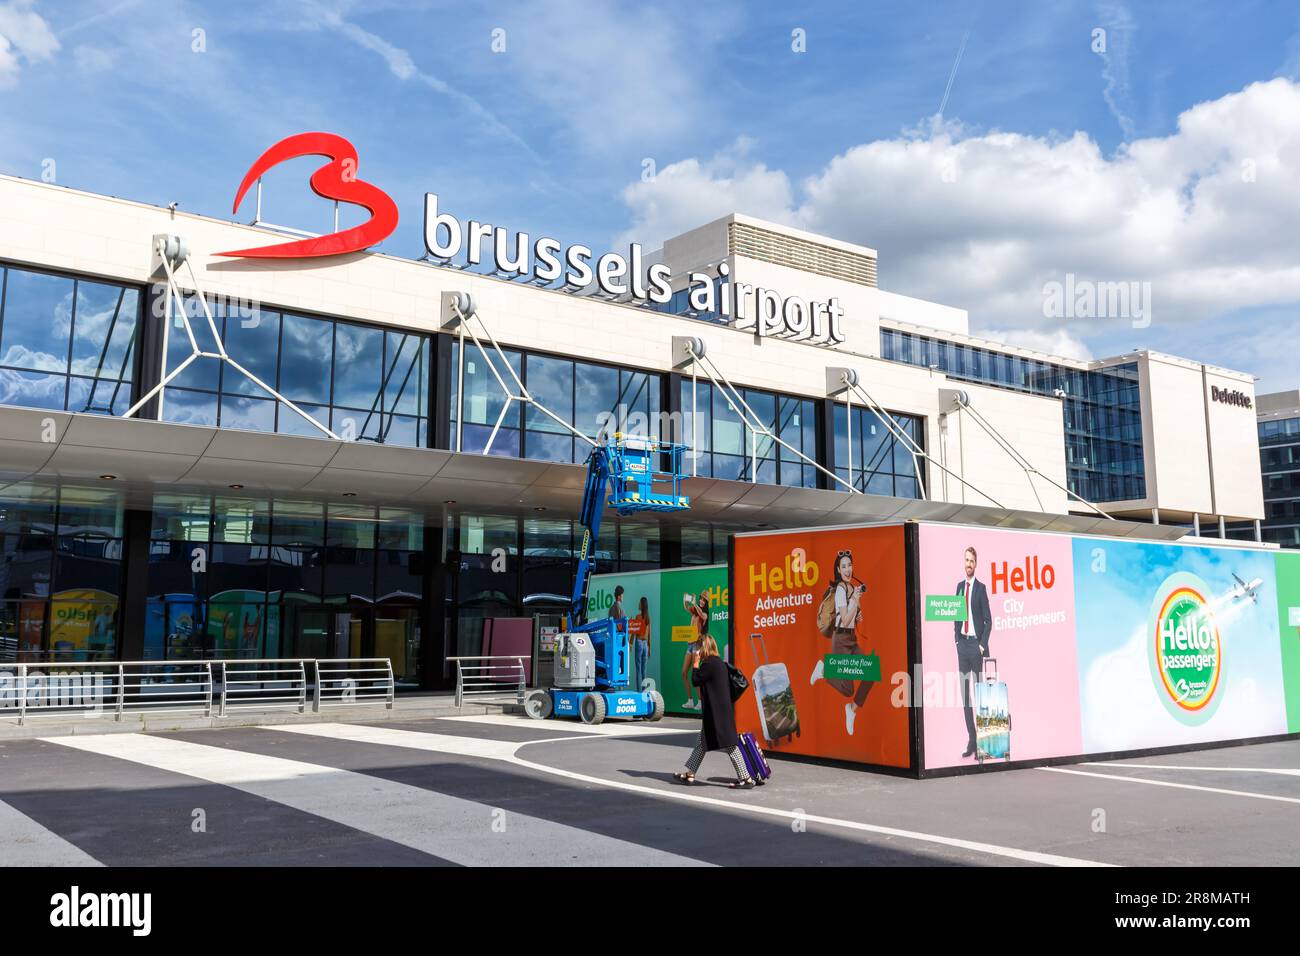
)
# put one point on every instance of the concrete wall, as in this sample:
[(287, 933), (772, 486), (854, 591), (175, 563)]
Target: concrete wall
[(1234, 448), (1036, 430)]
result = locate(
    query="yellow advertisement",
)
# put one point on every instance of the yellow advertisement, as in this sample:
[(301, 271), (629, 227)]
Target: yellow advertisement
[(83, 623)]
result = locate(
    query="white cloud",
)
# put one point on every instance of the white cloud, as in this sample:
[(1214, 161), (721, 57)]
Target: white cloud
[(23, 32), (692, 192), (90, 59), (984, 220)]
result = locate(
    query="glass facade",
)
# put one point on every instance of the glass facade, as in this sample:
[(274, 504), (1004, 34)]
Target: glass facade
[(510, 566), (364, 383), (881, 463), (1279, 451), (273, 577), (726, 447), (61, 573), (595, 399), (66, 344), (1102, 407)]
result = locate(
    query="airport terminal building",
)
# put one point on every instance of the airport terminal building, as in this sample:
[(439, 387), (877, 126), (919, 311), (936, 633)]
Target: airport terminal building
[(341, 462)]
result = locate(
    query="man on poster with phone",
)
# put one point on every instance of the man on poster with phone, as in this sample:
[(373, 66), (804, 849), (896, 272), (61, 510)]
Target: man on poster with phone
[(972, 636)]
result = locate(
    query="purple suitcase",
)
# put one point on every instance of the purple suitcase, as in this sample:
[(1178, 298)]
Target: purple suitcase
[(755, 762)]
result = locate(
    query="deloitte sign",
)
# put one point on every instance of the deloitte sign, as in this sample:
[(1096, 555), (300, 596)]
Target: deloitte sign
[(1185, 648), (547, 260)]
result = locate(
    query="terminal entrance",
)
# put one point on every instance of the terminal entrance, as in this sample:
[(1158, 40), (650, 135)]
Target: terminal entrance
[(356, 630)]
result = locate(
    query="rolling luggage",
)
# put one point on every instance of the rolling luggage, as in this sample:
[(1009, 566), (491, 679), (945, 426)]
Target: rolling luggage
[(992, 715), (774, 696), (755, 762)]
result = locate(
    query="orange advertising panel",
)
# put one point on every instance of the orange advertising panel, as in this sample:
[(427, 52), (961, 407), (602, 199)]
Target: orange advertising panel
[(820, 626)]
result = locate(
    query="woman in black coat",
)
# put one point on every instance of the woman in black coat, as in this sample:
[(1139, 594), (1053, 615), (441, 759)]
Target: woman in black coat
[(709, 674)]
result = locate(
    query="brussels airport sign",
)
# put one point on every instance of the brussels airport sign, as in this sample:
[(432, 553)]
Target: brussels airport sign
[(765, 311)]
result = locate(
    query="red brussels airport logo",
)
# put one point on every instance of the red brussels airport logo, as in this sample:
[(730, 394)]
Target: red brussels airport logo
[(336, 180)]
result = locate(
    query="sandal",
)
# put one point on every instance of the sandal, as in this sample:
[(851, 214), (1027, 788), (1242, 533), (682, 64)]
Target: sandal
[(684, 776), (743, 784)]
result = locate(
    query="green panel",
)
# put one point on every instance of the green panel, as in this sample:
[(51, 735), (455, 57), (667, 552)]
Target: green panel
[(945, 607), (1288, 607)]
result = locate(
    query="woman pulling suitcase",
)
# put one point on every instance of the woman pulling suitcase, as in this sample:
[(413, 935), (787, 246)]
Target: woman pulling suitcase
[(709, 674)]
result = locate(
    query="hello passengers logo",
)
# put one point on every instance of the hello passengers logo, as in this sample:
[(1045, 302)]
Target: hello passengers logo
[(1185, 649)]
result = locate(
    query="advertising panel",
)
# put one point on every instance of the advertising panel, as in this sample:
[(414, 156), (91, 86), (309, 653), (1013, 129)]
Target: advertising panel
[(667, 611), (1038, 645), (820, 626), (1178, 644), (999, 672), (83, 624), (1288, 623)]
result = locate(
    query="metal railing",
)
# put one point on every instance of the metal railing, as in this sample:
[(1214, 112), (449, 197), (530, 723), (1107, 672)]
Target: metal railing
[(206, 687), (101, 689), (263, 684), (500, 676), (345, 682)]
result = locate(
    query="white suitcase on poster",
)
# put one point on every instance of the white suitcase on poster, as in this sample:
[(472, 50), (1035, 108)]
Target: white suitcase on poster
[(774, 696)]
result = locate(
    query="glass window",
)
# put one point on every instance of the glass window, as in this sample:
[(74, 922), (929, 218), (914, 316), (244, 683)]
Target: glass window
[(358, 366), (252, 338), (52, 324), (104, 334), (306, 346), (600, 409), (550, 382), (37, 321)]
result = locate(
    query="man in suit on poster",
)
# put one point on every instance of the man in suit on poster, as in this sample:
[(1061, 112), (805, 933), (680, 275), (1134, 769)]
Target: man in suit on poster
[(972, 637)]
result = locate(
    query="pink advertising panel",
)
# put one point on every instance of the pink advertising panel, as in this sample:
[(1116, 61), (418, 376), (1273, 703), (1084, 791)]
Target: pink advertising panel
[(1000, 677)]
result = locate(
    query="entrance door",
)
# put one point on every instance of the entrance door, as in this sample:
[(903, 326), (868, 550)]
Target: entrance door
[(307, 632), (352, 631)]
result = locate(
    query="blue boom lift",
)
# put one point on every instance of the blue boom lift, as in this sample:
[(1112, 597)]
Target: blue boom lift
[(591, 674)]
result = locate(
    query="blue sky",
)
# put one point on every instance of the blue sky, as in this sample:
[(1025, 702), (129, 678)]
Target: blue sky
[(1128, 164)]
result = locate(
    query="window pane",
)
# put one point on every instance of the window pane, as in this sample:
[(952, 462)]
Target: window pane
[(32, 389), (484, 398), (289, 422), (252, 414), (547, 446), (37, 321), (358, 365), (297, 522), (407, 371), (599, 405), (104, 331), (481, 534), (202, 372), (550, 382), (728, 431), (100, 396), (305, 348), (252, 338), (189, 408)]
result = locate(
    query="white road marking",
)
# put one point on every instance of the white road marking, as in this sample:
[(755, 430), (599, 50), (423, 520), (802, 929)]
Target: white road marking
[(414, 739), (409, 738), (24, 842), (451, 828), (1168, 783), (1028, 856), (631, 728), (1284, 771)]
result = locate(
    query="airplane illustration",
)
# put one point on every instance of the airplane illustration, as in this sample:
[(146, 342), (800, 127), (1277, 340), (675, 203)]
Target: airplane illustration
[(1243, 590)]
